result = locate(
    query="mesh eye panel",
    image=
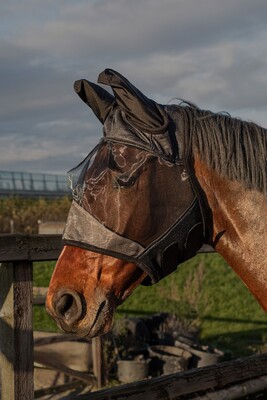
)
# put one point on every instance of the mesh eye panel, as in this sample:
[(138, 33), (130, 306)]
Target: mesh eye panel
[(76, 176), (131, 191)]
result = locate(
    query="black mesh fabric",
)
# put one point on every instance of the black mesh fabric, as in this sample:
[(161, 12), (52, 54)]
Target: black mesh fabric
[(132, 204), (132, 197)]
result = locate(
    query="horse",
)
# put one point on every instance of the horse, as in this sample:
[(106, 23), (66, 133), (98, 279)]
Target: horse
[(163, 180)]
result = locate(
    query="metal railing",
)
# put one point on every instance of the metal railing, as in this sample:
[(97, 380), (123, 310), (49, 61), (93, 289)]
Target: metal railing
[(32, 184)]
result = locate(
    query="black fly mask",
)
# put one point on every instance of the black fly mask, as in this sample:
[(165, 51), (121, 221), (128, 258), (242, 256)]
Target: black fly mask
[(134, 195)]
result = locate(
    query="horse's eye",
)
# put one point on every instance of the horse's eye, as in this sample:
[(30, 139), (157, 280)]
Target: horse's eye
[(124, 181), (111, 162)]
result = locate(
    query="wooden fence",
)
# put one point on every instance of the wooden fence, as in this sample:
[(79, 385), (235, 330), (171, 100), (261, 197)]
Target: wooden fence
[(17, 254)]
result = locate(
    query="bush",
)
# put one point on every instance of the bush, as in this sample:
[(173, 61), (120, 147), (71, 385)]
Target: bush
[(25, 213)]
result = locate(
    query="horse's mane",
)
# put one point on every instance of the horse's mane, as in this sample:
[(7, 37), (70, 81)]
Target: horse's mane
[(234, 148)]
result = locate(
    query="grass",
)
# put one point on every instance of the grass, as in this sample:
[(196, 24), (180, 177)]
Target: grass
[(203, 291), (42, 273)]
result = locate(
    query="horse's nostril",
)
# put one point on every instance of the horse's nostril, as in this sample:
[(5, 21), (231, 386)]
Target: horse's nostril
[(68, 306)]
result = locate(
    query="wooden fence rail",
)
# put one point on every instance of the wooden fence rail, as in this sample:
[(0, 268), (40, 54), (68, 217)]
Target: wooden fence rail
[(193, 382), (17, 254)]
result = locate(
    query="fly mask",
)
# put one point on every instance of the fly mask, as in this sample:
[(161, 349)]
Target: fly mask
[(141, 138)]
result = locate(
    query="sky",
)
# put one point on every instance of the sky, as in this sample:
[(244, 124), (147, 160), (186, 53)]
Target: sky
[(210, 52)]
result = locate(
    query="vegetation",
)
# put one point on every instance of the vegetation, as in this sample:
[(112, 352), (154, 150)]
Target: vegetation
[(25, 213), (204, 292)]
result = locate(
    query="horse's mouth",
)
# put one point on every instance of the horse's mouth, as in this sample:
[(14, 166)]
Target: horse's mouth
[(92, 324), (102, 322)]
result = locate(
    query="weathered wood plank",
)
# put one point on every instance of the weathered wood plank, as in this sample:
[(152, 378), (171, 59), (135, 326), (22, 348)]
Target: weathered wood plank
[(16, 337), (58, 338), (16, 247), (39, 295), (44, 360), (7, 373), (19, 247), (240, 391), (53, 390), (172, 387), (98, 361), (23, 330)]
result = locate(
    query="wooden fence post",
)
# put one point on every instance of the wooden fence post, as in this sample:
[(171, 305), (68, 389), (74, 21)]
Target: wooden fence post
[(16, 335), (6, 332), (98, 361)]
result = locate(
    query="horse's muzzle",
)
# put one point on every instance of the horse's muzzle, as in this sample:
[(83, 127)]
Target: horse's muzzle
[(67, 308)]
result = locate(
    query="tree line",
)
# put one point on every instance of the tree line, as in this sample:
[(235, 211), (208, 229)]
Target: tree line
[(22, 215)]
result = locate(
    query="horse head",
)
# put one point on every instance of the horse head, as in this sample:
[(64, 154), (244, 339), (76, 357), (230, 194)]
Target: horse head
[(136, 212), (162, 180)]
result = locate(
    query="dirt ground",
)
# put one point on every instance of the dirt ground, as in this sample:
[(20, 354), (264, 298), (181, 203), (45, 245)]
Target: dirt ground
[(46, 378), (70, 354)]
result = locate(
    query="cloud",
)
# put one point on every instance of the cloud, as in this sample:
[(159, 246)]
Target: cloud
[(75, 33), (50, 146), (209, 52), (118, 28), (197, 49)]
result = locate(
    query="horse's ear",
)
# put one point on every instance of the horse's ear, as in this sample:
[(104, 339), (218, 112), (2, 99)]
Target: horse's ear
[(97, 98), (143, 112)]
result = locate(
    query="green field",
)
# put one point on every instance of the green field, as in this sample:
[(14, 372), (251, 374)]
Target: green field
[(203, 292)]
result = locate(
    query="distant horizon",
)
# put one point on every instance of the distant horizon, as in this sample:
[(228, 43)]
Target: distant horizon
[(31, 172)]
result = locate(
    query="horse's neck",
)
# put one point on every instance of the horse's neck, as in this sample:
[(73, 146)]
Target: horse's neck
[(240, 227)]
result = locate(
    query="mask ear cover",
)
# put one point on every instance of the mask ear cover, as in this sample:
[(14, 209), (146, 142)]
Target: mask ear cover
[(145, 114), (97, 98)]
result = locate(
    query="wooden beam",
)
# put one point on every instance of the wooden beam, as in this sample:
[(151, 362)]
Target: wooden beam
[(239, 391), (44, 359), (16, 331), (98, 361), (23, 330), (59, 338), (172, 387), (54, 390), (6, 333), (19, 247)]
